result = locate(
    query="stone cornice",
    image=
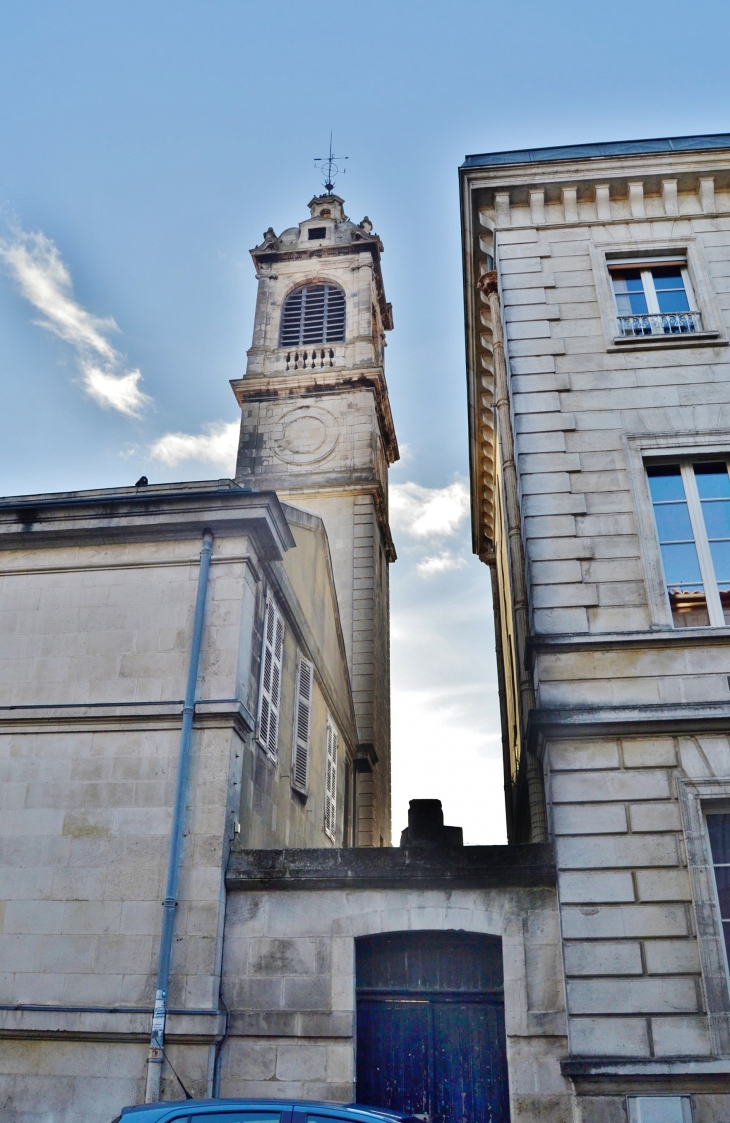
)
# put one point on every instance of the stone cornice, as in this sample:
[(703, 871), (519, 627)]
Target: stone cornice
[(139, 514), (119, 716), (526, 866), (304, 384), (678, 718)]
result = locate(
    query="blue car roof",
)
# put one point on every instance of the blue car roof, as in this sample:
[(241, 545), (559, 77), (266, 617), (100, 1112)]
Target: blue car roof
[(160, 1109)]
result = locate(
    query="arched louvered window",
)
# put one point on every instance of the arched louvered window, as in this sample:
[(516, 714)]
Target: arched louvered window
[(313, 314)]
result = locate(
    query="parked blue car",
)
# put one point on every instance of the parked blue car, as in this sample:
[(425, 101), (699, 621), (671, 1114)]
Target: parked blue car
[(260, 1111)]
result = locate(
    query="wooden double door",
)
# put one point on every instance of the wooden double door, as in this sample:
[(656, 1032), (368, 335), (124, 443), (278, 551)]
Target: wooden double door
[(430, 1026)]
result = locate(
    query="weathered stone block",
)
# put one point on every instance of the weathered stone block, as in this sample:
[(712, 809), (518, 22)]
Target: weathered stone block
[(632, 996), (680, 1037), (605, 957), (609, 1037), (663, 885), (619, 921), (600, 888), (584, 852), (589, 818), (301, 1062), (672, 957)]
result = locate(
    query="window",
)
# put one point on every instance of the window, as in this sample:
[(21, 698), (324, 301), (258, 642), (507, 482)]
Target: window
[(231, 1115), (660, 1109), (317, 232), (692, 511), (313, 314), (718, 828), (272, 652), (330, 784), (654, 299), (302, 721)]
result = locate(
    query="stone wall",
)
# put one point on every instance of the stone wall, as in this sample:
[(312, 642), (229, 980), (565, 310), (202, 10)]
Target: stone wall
[(289, 963)]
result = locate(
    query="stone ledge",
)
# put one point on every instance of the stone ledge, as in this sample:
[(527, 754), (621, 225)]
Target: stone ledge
[(527, 866), (215, 712), (674, 718), (283, 1023), (108, 1024), (633, 1075)]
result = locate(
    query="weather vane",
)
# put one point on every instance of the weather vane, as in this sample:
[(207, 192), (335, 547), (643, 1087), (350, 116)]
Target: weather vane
[(329, 168)]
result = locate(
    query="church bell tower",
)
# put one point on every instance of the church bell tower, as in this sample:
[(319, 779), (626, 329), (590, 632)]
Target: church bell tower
[(316, 428)]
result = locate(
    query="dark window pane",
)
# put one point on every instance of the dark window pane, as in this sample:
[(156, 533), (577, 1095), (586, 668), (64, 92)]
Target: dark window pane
[(665, 482), (681, 566), (713, 481), (316, 232), (673, 524), (718, 828), (721, 560), (726, 931), (240, 1115), (667, 277), (689, 610), (722, 879), (673, 301), (628, 281), (326, 1119)]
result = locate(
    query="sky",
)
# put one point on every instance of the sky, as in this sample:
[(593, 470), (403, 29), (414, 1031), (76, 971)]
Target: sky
[(145, 145)]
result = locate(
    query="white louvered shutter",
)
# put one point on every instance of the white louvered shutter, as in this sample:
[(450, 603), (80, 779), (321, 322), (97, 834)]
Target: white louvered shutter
[(272, 652), (330, 788), (302, 720)]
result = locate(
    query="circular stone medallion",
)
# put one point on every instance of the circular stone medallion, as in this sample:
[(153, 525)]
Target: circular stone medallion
[(305, 435)]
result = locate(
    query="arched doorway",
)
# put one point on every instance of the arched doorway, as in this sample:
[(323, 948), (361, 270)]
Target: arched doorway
[(430, 1025)]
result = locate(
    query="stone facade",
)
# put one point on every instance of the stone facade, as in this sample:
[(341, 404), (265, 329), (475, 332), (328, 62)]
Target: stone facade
[(96, 606), (611, 706), (316, 428), (289, 965)]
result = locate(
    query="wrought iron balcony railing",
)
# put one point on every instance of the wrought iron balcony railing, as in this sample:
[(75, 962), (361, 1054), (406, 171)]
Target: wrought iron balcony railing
[(666, 323)]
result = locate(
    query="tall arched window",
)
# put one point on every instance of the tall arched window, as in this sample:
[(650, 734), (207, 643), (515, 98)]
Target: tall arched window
[(313, 314)]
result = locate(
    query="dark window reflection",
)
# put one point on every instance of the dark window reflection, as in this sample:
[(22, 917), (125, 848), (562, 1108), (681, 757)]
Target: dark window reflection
[(718, 828), (713, 486), (679, 552)]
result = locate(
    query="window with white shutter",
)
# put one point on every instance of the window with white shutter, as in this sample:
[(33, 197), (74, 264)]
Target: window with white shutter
[(302, 721), (330, 787), (272, 651)]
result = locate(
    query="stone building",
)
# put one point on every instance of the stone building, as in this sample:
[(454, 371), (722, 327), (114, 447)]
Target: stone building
[(306, 955), (287, 718), (597, 282)]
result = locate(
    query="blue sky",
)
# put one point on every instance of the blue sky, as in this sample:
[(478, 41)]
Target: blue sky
[(144, 147)]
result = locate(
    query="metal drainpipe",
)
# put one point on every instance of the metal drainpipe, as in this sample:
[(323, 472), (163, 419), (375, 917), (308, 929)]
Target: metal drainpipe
[(157, 1038), (516, 551)]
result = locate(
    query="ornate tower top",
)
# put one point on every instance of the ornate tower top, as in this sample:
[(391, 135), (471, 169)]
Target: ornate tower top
[(321, 312)]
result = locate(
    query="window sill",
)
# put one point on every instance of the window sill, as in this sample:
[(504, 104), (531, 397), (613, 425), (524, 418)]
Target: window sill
[(656, 342)]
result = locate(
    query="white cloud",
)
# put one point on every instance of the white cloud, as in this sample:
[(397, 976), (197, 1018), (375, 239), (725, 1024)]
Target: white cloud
[(440, 563), (217, 444), (429, 730), (426, 512), (44, 280)]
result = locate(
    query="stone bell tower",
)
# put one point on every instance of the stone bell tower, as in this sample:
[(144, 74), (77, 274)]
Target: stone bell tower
[(316, 427)]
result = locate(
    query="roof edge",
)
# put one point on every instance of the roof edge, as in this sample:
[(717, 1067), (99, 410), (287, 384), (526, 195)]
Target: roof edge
[(648, 147)]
